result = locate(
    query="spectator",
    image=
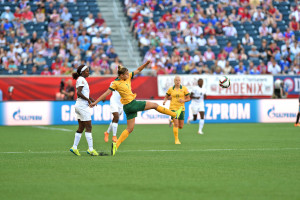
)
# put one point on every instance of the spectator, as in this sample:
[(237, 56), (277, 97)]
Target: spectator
[(277, 16), (67, 93), (18, 48), (7, 14), (230, 30), (97, 40), (209, 30), (262, 68), (233, 17), (104, 29), (85, 45), (12, 67), (233, 55), (210, 10), (245, 16), (144, 41), (201, 41), (112, 55), (39, 61), (273, 67), (46, 71), (198, 59), (7, 25), (263, 49), (258, 15), (293, 25), (21, 31), (295, 13), (82, 37), (253, 53), (247, 40), (27, 14), (271, 50), (278, 36), (197, 29), (227, 69), (243, 56), (89, 20), (219, 29), (17, 14), (2, 40), (34, 71), (240, 68), (264, 30), (212, 41), (254, 71), (221, 62), (106, 41), (99, 20), (92, 30), (65, 16), (228, 47), (209, 54), (40, 16)]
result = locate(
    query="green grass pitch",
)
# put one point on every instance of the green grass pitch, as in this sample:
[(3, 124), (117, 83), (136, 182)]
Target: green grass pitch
[(230, 161)]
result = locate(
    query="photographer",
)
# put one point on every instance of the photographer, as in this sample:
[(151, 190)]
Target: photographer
[(66, 94), (279, 91)]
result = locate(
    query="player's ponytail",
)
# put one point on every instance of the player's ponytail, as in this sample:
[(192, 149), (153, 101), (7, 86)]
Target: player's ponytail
[(121, 70), (76, 74)]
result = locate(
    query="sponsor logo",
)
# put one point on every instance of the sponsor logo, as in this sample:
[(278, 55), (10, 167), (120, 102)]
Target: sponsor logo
[(289, 84), (149, 115), (273, 114), (18, 116)]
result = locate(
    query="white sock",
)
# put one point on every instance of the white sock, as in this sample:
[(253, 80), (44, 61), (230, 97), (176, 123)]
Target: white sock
[(115, 128), (89, 140), (76, 140), (201, 124), (109, 128)]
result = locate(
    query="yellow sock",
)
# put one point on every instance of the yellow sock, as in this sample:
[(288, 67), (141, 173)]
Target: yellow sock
[(175, 131), (166, 111), (122, 137)]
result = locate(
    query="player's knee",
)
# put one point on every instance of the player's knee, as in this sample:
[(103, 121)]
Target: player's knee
[(155, 105), (130, 129), (79, 131), (116, 119)]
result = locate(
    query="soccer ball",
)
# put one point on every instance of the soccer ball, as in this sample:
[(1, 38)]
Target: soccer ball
[(224, 82)]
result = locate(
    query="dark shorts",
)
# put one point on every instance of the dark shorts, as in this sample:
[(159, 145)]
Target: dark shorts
[(133, 107), (181, 116)]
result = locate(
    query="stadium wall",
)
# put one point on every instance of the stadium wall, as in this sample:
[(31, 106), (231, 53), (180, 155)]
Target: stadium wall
[(29, 88), (216, 111)]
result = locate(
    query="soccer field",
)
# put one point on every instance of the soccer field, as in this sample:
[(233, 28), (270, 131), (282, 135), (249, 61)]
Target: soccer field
[(230, 161)]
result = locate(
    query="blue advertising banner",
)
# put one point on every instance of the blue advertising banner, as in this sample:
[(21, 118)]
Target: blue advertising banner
[(228, 111), (291, 84), (63, 112)]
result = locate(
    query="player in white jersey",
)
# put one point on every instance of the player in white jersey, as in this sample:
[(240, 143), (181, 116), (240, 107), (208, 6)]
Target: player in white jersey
[(116, 108), (198, 95), (83, 111)]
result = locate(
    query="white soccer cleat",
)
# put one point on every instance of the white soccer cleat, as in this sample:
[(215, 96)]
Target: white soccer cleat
[(200, 133), (188, 121)]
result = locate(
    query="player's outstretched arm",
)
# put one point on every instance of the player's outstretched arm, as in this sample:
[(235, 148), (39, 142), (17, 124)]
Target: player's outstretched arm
[(101, 98), (142, 67)]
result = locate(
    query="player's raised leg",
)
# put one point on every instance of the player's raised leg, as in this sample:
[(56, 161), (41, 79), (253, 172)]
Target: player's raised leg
[(201, 122), (163, 110), (77, 138), (89, 138)]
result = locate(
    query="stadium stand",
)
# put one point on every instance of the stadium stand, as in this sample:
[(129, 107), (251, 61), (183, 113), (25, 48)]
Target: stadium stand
[(54, 38), (176, 35)]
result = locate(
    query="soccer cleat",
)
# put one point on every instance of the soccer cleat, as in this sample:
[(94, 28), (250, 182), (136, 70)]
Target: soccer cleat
[(113, 148), (75, 151), (106, 136), (200, 133), (178, 112), (177, 142), (170, 122), (92, 153), (296, 124), (114, 138), (188, 121)]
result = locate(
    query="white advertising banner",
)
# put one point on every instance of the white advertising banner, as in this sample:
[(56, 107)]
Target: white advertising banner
[(152, 116), (241, 85), (27, 113), (278, 110)]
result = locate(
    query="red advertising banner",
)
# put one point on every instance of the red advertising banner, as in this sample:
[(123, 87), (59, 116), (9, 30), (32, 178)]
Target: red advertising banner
[(45, 88)]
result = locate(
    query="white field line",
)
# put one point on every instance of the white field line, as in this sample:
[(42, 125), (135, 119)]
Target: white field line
[(161, 150), (53, 129)]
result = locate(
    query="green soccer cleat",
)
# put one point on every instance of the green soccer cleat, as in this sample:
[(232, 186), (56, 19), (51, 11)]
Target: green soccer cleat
[(113, 148), (92, 153), (178, 112), (75, 151)]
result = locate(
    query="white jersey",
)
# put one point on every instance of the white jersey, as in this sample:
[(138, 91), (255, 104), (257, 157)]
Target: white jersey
[(115, 98), (198, 92), (85, 90)]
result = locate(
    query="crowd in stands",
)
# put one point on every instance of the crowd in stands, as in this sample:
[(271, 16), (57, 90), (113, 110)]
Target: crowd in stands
[(217, 37), (54, 38)]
